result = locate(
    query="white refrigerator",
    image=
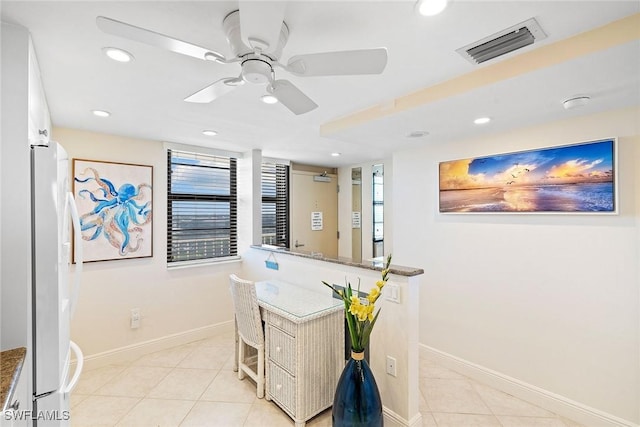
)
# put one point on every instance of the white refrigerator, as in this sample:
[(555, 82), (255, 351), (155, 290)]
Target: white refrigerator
[(54, 295)]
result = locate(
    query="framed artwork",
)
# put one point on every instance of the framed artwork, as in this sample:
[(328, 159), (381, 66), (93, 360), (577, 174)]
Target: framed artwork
[(115, 206), (571, 178)]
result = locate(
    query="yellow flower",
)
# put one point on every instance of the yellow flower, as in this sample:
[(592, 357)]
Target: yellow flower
[(365, 312), (369, 312), (373, 295), (359, 313), (355, 306)]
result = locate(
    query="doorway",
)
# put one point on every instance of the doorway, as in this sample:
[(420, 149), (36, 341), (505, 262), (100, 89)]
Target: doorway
[(314, 213)]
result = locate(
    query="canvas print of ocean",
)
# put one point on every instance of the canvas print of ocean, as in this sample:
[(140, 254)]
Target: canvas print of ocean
[(571, 178)]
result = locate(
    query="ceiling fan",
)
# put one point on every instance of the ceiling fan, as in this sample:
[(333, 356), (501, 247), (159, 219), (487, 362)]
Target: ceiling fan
[(256, 34)]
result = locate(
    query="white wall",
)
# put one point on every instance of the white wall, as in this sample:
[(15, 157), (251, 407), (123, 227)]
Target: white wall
[(15, 209), (172, 301), (15, 244), (549, 300)]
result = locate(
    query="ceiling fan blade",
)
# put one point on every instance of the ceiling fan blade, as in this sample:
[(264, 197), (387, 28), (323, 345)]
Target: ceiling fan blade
[(131, 32), (215, 90), (348, 62), (261, 23), (292, 97)]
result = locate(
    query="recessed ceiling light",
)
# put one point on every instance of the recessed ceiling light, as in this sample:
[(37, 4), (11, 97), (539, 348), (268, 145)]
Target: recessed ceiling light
[(482, 120), (418, 134), (117, 54), (431, 7), (101, 113), (578, 101), (209, 132), (269, 99), (335, 154)]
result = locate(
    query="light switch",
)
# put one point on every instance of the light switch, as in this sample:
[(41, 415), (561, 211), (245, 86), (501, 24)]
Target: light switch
[(393, 292)]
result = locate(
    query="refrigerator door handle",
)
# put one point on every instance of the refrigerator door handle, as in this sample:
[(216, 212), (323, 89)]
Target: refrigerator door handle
[(79, 366), (77, 243)]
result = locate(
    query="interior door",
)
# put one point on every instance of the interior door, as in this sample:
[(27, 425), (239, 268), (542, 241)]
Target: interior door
[(314, 213)]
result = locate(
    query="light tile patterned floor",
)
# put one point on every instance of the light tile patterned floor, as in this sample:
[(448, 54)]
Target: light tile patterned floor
[(194, 385)]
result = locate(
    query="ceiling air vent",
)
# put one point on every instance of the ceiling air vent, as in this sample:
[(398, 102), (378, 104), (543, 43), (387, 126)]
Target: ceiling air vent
[(503, 42)]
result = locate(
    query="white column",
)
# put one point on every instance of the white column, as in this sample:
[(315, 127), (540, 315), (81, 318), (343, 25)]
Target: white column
[(249, 200)]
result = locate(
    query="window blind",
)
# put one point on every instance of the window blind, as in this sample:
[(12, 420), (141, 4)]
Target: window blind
[(201, 206), (275, 204)]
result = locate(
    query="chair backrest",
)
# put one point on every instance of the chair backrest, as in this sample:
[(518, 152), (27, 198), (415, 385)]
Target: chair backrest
[(245, 302)]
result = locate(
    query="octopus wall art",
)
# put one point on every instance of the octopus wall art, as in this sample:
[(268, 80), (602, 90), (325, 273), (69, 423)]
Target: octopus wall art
[(115, 207)]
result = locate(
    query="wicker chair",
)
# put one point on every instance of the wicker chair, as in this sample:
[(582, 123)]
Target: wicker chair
[(250, 331)]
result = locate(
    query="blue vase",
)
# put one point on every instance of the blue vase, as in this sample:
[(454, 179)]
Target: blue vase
[(357, 399)]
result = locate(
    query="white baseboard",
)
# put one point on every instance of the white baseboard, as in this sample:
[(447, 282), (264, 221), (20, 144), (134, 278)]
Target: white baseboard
[(134, 351), (391, 419), (561, 405)]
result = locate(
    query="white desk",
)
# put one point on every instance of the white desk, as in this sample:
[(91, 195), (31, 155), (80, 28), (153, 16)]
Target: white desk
[(304, 348)]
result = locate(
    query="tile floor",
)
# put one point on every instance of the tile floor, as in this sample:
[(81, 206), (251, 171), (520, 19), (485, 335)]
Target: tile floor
[(194, 385)]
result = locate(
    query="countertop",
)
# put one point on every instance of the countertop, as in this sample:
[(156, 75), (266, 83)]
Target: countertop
[(11, 362), (295, 303), (377, 264)]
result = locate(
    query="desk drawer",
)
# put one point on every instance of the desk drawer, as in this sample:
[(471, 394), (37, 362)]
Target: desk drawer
[(282, 387), (281, 323), (282, 349)]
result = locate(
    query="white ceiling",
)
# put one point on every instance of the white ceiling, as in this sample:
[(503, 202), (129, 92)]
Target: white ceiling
[(146, 96)]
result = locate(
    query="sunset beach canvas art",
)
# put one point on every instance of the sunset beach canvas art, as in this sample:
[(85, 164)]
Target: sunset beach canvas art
[(570, 178)]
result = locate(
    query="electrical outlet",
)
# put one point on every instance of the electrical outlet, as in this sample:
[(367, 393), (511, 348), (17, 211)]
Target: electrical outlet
[(135, 318), (391, 366)]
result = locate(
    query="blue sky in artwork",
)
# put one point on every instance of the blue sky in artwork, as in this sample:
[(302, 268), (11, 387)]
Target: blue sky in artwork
[(547, 159), (587, 162)]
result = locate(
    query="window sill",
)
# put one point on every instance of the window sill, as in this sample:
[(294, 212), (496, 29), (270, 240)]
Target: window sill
[(203, 263)]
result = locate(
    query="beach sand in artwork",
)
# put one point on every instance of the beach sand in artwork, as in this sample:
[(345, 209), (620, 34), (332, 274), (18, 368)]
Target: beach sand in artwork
[(582, 197)]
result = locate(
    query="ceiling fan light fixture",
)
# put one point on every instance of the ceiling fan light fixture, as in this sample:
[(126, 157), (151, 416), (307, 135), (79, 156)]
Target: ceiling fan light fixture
[(117, 54), (269, 99), (431, 7), (256, 71)]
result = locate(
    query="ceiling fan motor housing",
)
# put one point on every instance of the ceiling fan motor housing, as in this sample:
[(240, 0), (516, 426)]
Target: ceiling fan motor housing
[(256, 71)]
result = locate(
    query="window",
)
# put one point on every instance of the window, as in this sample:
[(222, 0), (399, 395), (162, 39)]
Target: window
[(378, 210), (201, 206), (275, 204)]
